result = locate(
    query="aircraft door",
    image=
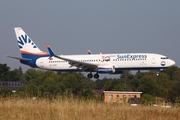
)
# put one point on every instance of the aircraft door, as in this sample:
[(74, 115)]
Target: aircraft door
[(42, 63), (153, 59)]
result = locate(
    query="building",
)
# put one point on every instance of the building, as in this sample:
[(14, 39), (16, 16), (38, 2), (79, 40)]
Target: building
[(13, 85), (122, 97)]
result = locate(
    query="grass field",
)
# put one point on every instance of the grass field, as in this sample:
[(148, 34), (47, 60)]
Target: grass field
[(77, 109)]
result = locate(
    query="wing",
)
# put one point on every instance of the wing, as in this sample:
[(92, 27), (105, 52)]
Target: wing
[(79, 64)]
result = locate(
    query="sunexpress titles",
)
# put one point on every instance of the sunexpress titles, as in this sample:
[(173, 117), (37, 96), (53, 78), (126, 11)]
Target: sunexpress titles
[(130, 56)]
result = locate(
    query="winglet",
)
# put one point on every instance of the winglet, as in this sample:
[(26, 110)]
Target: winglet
[(50, 51), (89, 51)]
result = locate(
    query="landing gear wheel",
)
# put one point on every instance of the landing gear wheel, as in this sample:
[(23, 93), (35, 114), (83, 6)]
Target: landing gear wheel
[(90, 75), (157, 74), (96, 76)]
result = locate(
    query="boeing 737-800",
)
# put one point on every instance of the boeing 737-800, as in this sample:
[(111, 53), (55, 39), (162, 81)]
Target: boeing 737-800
[(98, 63)]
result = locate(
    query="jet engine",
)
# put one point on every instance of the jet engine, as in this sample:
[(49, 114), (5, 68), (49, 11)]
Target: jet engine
[(106, 69)]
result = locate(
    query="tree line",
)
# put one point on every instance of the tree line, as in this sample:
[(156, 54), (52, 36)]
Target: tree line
[(48, 83)]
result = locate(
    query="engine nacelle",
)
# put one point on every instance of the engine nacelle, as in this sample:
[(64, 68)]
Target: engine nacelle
[(106, 69)]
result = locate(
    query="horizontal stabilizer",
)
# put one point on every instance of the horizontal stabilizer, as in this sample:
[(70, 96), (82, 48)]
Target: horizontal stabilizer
[(23, 59)]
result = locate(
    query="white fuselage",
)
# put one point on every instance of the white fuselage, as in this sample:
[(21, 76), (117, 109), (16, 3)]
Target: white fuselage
[(131, 61)]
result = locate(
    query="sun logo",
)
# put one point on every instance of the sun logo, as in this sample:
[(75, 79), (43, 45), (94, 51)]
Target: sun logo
[(25, 41), (106, 58), (163, 63)]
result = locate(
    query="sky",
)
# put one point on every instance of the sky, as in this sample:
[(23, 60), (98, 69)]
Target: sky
[(107, 26)]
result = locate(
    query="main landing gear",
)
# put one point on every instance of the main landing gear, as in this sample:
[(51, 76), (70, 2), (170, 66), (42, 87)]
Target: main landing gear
[(90, 75)]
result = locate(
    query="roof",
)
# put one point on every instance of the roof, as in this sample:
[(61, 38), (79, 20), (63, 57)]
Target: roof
[(122, 92)]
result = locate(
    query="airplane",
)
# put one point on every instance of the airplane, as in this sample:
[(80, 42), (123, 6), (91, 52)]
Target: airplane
[(99, 63)]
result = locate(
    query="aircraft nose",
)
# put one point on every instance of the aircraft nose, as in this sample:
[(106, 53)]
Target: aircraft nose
[(172, 62)]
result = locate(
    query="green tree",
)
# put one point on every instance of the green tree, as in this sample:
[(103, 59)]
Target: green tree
[(33, 76), (147, 99), (135, 82), (31, 90), (165, 85), (174, 92), (176, 75), (122, 87), (50, 84), (15, 75), (108, 85), (171, 71), (124, 81), (76, 83), (148, 85), (4, 72)]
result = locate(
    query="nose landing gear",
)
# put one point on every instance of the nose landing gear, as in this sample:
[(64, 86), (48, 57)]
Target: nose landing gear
[(157, 74)]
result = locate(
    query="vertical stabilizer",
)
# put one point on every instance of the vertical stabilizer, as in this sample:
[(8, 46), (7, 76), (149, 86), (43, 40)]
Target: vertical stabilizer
[(25, 43)]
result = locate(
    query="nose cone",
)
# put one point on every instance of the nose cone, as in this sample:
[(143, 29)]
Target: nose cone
[(172, 62)]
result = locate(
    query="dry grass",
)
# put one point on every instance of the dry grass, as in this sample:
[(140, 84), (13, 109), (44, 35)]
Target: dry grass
[(75, 109)]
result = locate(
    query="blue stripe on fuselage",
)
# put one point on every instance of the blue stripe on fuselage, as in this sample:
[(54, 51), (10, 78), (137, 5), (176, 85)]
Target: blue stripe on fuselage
[(141, 68), (33, 58), (117, 69)]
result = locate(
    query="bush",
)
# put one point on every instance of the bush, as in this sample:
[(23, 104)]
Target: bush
[(5, 92)]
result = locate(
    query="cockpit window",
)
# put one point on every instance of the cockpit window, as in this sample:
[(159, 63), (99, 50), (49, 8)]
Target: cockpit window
[(163, 58)]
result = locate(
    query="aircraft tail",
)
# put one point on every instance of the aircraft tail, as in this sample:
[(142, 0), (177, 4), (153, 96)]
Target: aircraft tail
[(27, 46)]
